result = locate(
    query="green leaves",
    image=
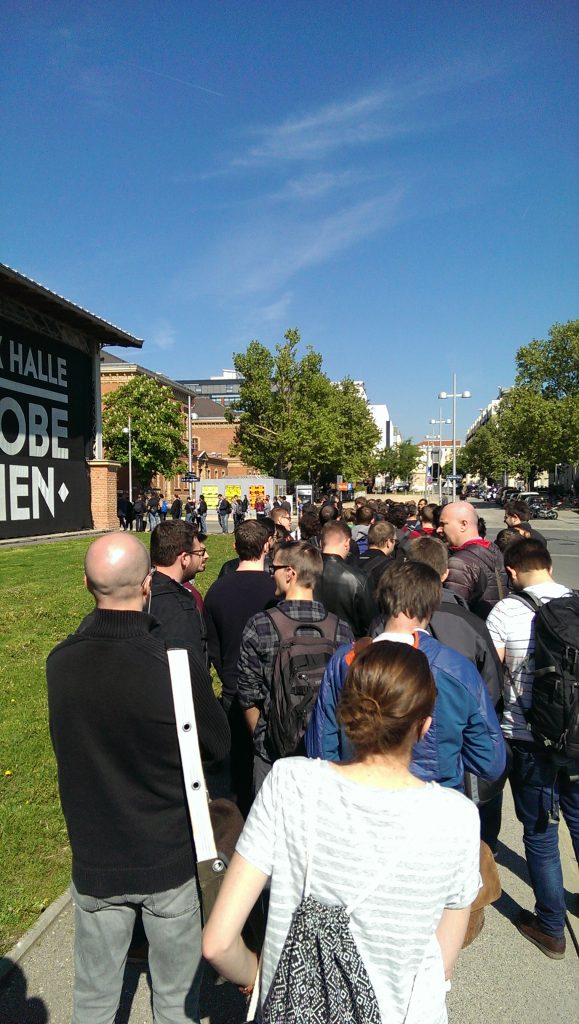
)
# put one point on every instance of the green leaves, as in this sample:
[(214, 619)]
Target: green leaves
[(400, 461), (157, 428), (551, 368), (293, 422)]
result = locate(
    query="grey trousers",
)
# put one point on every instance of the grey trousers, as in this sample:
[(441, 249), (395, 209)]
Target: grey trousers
[(103, 930)]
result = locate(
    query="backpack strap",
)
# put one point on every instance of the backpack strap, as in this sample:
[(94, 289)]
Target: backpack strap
[(288, 628)]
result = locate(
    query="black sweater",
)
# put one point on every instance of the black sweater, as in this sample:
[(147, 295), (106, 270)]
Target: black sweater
[(113, 730), (230, 602)]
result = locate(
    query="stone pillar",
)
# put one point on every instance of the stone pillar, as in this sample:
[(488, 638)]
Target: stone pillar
[(103, 493)]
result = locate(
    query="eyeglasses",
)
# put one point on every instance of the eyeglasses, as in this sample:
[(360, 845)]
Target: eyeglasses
[(274, 568), (197, 551)]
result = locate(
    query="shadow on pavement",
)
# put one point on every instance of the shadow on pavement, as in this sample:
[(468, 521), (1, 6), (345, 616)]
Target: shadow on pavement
[(15, 1008)]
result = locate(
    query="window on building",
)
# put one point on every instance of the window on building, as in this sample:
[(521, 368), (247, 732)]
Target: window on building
[(194, 444)]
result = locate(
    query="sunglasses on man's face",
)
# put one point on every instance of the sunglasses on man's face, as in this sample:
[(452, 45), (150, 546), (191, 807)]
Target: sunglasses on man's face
[(274, 568)]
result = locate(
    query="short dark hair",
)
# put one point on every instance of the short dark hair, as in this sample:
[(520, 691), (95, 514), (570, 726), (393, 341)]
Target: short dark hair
[(251, 537), (412, 588), (429, 551), (388, 694), (380, 533), (328, 513), (169, 539), (527, 555), (364, 515), (397, 514), (305, 560), (427, 513), (520, 509), (505, 537), (309, 525)]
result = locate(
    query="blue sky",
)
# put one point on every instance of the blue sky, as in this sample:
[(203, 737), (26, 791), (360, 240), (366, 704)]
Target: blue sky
[(398, 180)]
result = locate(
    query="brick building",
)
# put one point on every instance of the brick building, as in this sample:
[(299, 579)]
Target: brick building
[(211, 435)]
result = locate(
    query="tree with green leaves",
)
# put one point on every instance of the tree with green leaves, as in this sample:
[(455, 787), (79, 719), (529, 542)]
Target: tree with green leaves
[(292, 422), (539, 417), (157, 428), (400, 461), (484, 455)]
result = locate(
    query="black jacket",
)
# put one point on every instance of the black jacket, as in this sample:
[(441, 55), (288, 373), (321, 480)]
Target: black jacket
[(457, 627), (178, 614), (477, 574), (373, 563), (346, 592)]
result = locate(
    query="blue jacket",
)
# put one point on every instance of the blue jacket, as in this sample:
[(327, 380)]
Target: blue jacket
[(465, 733)]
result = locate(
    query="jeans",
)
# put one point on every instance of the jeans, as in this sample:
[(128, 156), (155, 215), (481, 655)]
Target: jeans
[(224, 522), (535, 780), (103, 931), (154, 520), (203, 522)]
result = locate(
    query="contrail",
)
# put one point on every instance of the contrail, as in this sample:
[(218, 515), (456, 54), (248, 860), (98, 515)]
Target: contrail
[(171, 78)]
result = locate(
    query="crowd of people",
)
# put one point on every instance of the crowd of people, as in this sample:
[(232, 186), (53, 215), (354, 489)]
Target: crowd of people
[(376, 669)]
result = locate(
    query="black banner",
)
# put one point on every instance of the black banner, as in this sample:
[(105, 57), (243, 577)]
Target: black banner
[(46, 424)]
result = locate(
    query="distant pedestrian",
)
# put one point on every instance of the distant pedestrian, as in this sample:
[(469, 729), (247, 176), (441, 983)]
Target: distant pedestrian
[(139, 509), (202, 514), (223, 512), (153, 511), (176, 507)]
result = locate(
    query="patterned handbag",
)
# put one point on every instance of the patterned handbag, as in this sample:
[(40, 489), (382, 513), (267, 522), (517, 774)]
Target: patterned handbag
[(320, 977)]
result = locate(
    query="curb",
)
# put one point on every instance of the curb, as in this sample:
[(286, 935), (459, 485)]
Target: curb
[(48, 917)]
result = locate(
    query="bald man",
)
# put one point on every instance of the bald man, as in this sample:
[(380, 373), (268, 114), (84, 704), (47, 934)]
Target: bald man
[(475, 566), (113, 730)]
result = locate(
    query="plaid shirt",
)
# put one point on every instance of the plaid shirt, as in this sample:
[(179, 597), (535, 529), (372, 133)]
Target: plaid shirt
[(258, 653)]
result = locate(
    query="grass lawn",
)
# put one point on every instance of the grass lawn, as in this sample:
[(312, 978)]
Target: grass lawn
[(43, 599)]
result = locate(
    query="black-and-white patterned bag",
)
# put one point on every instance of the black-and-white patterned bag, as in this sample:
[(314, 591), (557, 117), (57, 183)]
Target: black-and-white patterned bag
[(320, 977)]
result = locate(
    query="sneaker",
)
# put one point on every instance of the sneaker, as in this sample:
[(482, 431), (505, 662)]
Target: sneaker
[(528, 925)]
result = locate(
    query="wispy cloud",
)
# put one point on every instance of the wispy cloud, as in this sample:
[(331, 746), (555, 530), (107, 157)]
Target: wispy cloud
[(262, 258), (163, 335), (316, 186), (381, 114)]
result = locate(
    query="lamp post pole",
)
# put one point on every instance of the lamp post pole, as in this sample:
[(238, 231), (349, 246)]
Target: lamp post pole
[(128, 430), (190, 417), (454, 396), (440, 421)]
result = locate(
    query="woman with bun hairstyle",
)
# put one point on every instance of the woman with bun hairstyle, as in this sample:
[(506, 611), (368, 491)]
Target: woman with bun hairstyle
[(404, 854)]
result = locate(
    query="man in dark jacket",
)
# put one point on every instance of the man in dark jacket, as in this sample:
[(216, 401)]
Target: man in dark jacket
[(475, 567), (112, 725), (382, 552), (343, 590), (453, 624)]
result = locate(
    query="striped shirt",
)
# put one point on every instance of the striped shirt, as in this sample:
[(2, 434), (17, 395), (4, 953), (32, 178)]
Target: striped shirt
[(511, 625), (420, 848)]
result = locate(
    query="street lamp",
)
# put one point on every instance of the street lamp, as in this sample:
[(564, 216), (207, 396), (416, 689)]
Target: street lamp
[(127, 430), (440, 421), (454, 396), (190, 416), (429, 450)]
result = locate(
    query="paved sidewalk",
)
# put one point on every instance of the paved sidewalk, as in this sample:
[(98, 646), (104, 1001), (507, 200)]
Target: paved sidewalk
[(501, 977)]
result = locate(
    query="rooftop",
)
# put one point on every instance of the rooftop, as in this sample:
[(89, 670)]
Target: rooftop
[(19, 288)]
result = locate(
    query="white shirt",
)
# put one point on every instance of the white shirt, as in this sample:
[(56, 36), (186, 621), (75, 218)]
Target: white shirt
[(511, 625)]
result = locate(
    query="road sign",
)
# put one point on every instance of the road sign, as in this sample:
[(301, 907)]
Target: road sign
[(457, 477), (190, 478)]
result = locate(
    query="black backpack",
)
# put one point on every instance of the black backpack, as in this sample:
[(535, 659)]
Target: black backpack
[(299, 667), (554, 713)]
